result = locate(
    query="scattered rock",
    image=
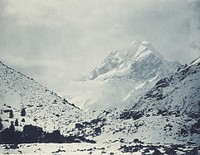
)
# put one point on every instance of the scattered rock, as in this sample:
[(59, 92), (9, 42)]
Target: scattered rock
[(157, 152)]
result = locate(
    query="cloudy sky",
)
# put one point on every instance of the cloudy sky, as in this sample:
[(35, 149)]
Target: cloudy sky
[(57, 41)]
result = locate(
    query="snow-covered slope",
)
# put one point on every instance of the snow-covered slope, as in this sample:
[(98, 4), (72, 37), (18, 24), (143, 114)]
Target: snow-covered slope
[(123, 77), (178, 92), (168, 113), (42, 107), (177, 99)]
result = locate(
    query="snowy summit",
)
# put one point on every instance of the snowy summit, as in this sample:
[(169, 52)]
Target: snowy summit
[(123, 77)]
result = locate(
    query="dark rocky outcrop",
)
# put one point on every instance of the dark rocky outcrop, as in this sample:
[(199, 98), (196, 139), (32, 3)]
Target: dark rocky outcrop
[(131, 114)]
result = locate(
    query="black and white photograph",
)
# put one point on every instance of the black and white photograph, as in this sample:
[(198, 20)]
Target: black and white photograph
[(100, 77)]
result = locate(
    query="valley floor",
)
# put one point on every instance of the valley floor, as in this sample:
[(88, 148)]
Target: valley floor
[(98, 149)]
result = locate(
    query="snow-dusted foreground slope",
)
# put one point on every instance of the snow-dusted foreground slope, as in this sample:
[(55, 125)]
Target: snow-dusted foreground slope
[(122, 78), (43, 107)]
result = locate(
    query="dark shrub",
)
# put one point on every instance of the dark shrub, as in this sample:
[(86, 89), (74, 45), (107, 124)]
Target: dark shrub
[(16, 122), (23, 112), (79, 126), (54, 137), (10, 136), (11, 114), (32, 134)]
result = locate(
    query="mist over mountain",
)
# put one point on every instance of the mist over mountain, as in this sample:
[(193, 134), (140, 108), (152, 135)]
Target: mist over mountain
[(123, 77)]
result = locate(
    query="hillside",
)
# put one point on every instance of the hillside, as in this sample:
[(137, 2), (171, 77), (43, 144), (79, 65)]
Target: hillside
[(43, 107)]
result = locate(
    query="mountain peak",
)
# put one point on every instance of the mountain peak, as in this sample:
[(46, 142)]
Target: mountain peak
[(120, 63), (141, 48), (135, 42), (138, 42), (124, 76)]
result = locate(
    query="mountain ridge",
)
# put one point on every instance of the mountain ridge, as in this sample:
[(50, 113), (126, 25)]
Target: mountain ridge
[(120, 60), (123, 77), (177, 82), (168, 113)]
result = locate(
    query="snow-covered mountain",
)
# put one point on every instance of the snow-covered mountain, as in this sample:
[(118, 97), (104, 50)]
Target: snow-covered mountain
[(168, 113), (179, 92), (43, 107), (165, 116), (123, 77), (176, 100), (138, 61)]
